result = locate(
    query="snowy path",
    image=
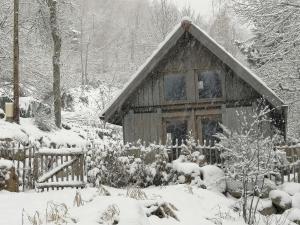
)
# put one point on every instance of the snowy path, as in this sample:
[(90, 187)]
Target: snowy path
[(198, 208)]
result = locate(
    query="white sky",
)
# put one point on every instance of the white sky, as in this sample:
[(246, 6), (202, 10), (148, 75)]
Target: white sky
[(204, 7)]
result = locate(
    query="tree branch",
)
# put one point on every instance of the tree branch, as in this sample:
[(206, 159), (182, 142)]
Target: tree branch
[(290, 4)]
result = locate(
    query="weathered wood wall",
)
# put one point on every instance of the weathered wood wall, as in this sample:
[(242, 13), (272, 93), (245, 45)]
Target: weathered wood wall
[(146, 108)]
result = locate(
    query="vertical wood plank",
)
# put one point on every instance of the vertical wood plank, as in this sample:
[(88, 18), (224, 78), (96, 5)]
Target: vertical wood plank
[(159, 126), (24, 167), (82, 167), (72, 169), (131, 127), (30, 171), (298, 172)]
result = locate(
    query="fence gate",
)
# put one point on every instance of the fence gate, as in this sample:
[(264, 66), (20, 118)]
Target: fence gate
[(59, 168)]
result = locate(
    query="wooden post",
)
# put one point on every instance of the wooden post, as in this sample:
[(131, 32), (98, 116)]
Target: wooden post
[(16, 62), (82, 167), (67, 169), (289, 173), (24, 167)]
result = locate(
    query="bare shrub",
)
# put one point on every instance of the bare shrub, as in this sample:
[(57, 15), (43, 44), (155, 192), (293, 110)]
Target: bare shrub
[(35, 219), (102, 191), (111, 215), (56, 213), (136, 193), (41, 119)]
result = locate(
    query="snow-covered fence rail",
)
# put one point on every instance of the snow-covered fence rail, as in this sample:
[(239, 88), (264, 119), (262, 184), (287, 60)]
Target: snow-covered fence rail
[(22, 157), (59, 168), (292, 152), (212, 154), (290, 173)]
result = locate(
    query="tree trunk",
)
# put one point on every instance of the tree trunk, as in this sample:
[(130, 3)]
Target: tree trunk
[(52, 5), (16, 63)]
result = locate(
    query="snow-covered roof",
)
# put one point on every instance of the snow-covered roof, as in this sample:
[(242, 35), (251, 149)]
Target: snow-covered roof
[(187, 26)]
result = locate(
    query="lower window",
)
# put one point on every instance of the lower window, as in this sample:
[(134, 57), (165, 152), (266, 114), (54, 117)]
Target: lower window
[(210, 127), (176, 131)]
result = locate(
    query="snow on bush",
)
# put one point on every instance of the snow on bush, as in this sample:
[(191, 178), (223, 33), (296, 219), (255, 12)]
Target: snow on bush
[(214, 178), (296, 200), (293, 215), (6, 164), (249, 154), (290, 187), (181, 165), (281, 199), (114, 164)]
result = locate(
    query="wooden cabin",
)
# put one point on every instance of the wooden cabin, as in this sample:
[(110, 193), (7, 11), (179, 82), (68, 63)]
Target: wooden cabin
[(190, 83)]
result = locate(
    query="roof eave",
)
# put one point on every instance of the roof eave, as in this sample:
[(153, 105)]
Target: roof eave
[(144, 70)]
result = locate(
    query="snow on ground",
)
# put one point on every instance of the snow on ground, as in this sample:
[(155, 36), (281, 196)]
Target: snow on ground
[(195, 207), (6, 164), (27, 131), (12, 131)]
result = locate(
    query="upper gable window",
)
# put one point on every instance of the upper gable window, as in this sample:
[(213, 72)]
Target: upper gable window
[(175, 87), (210, 84)]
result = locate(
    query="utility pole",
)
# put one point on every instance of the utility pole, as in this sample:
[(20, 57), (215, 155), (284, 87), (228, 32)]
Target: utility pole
[(16, 63)]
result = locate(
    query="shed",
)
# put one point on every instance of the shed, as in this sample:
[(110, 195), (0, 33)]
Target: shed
[(191, 83)]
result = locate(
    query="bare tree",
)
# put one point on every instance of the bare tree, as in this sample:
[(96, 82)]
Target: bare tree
[(274, 49), (56, 37), (16, 63), (164, 15)]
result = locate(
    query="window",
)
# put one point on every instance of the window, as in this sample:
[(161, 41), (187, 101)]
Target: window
[(209, 84), (175, 87), (210, 127), (176, 130)]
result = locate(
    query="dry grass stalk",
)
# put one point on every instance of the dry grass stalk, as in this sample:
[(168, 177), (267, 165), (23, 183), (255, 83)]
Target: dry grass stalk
[(35, 219), (136, 193), (56, 213), (78, 200)]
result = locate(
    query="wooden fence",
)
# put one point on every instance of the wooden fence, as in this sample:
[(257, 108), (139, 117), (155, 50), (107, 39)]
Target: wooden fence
[(212, 154), (290, 173), (22, 156), (292, 152), (59, 168), (45, 168)]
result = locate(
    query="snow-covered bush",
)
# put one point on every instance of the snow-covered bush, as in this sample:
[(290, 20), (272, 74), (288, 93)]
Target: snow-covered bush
[(42, 120), (114, 164), (250, 157)]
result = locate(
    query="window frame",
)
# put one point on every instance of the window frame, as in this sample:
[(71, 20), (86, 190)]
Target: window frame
[(189, 87), (198, 72), (183, 74), (199, 125)]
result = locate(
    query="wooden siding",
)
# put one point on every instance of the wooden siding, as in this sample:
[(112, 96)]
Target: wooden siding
[(146, 109), (187, 57), (143, 126)]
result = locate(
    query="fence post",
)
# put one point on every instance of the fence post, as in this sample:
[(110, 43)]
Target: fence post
[(298, 172), (24, 166), (35, 166)]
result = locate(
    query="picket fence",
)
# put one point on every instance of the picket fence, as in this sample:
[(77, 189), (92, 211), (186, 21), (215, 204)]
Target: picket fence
[(66, 168)]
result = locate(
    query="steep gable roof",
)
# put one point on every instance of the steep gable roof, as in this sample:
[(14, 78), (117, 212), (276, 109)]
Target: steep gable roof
[(187, 26)]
